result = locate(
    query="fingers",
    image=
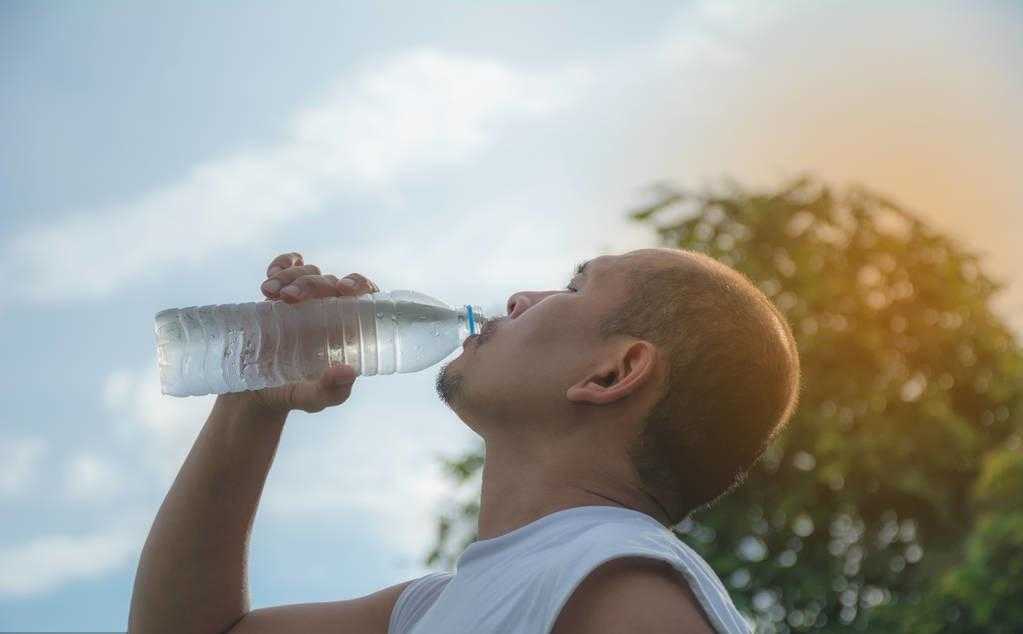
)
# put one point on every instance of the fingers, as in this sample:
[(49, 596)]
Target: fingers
[(272, 287), (291, 280), (296, 284), (359, 284), (282, 262)]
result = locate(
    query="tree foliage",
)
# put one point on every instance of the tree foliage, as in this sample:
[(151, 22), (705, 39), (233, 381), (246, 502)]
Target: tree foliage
[(889, 498)]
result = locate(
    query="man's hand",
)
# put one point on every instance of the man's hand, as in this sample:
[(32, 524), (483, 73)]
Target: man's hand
[(292, 281)]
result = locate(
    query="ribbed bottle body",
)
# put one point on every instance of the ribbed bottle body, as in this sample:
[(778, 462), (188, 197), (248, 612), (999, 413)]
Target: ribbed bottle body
[(235, 347)]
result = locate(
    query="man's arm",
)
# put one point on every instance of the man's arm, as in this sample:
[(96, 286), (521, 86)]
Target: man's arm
[(632, 594), (192, 573), (370, 614)]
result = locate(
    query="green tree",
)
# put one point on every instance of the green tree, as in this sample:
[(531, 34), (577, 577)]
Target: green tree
[(981, 593), (861, 513)]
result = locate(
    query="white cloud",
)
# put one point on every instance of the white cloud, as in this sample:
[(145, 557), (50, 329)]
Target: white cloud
[(468, 260), (422, 110), (19, 460), (390, 121), (739, 16), (89, 478), (161, 427), (393, 483), (375, 456), (117, 388), (713, 33), (46, 562)]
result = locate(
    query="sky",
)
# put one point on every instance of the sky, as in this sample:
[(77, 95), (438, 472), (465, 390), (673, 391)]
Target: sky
[(159, 155)]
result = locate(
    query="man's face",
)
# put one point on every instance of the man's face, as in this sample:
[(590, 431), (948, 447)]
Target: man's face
[(518, 369)]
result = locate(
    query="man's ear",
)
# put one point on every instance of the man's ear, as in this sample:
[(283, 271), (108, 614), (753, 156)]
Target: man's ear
[(619, 377)]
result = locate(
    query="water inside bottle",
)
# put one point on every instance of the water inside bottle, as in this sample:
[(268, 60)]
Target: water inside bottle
[(229, 348)]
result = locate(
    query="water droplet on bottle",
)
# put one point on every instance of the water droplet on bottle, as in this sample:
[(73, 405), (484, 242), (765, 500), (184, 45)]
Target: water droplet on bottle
[(380, 315)]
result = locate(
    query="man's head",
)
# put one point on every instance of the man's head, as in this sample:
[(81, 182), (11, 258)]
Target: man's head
[(665, 359)]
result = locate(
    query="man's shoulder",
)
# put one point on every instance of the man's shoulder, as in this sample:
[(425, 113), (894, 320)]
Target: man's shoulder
[(632, 594)]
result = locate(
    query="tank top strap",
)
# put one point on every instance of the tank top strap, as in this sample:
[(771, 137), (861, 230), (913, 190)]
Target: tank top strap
[(641, 539), (415, 600)]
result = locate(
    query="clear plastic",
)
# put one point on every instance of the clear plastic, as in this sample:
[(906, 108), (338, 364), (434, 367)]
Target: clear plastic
[(236, 347)]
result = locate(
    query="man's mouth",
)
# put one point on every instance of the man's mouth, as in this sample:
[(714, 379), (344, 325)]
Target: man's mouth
[(486, 333)]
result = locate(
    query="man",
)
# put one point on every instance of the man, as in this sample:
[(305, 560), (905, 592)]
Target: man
[(610, 410)]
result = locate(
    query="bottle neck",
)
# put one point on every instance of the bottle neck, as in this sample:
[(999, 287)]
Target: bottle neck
[(470, 321)]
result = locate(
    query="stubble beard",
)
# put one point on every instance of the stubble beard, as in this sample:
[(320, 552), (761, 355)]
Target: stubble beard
[(449, 386)]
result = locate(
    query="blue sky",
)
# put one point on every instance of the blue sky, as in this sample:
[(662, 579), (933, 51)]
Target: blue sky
[(158, 155)]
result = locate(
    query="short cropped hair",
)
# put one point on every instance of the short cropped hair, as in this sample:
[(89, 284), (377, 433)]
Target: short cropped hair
[(733, 377)]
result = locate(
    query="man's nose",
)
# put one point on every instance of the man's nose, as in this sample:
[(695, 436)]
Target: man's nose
[(517, 304), (522, 301)]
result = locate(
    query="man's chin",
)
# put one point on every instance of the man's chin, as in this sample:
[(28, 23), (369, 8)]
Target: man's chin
[(449, 385)]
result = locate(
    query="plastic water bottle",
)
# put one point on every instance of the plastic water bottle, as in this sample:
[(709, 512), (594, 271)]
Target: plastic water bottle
[(236, 347)]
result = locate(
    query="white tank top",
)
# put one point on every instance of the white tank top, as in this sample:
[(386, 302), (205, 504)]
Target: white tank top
[(518, 582)]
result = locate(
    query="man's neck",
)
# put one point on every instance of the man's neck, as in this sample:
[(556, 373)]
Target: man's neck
[(520, 488)]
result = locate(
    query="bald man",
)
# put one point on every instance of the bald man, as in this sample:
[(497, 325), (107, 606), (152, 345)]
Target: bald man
[(610, 410)]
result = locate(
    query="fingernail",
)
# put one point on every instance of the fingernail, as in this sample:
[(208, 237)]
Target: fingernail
[(275, 270), (272, 286), (291, 291), (349, 282)]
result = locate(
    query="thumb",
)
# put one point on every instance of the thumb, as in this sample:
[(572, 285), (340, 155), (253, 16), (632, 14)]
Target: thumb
[(338, 376), (332, 388), (335, 384)]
